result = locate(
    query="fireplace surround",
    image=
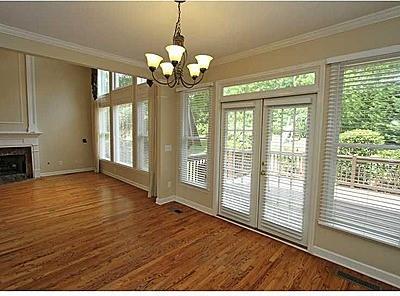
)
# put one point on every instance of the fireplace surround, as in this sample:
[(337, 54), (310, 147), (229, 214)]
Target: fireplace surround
[(15, 164)]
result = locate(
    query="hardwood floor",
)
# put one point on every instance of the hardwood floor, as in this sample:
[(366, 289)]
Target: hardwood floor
[(89, 231)]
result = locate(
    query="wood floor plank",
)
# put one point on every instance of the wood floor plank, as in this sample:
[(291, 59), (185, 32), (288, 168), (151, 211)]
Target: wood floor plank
[(91, 232)]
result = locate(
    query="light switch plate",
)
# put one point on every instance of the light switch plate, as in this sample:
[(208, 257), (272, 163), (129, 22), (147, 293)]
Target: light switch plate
[(168, 148)]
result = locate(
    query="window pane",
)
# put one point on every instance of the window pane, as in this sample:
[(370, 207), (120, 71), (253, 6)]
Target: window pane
[(140, 80), (271, 84), (122, 80), (195, 138), (104, 133), (123, 133), (362, 190), (143, 135), (102, 83)]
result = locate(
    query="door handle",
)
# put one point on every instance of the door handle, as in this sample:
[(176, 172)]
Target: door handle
[(263, 173)]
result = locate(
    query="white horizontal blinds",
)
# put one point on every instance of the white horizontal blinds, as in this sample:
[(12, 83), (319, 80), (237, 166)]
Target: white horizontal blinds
[(104, 133), (143, 135), (123, 134), (237, 163), (361, 188), (285, 163), (195, 138)]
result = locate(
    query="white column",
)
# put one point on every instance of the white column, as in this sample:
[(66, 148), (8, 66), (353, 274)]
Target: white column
[(31, 93)]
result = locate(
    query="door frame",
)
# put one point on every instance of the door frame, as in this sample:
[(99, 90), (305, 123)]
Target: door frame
[(255, 186), (308, 100), (319, 89)]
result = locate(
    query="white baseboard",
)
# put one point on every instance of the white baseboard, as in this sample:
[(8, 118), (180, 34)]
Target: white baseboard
[(195, 205), (185, 202), (125, 180), (163, 200), (64, 172), (363, 268)]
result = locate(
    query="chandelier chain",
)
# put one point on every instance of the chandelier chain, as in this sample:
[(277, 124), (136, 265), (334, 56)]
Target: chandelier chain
[(178, 22)]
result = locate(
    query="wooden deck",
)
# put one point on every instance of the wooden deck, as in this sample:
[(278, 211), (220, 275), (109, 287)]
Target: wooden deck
[(89, 231)]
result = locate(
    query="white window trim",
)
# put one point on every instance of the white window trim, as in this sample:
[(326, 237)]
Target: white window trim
[(207, 188), (272, 74), (370, 55), (319, 67)]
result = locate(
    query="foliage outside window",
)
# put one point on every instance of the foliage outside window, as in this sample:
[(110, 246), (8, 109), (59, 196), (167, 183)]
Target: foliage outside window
[(122, 80), (103, 80), (271, 84), (104, 133), (195, 141), (123, 134), (362, 189), (143, 135)]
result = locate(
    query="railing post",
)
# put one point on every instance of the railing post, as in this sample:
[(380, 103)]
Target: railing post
[(353, 170)]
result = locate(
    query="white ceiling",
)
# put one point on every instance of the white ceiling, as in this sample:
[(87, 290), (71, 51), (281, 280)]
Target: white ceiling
[(130, 29)]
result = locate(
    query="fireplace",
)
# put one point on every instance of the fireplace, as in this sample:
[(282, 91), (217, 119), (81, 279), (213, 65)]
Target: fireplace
[(15, 164)]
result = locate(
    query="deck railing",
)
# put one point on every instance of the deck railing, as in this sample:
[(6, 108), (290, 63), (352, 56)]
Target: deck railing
[(373, 173)]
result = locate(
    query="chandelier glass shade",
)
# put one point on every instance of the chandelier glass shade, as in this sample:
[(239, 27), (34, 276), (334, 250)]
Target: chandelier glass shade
[(174, 70)]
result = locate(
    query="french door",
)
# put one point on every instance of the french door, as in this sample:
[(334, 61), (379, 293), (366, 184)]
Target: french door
[(264, 165)]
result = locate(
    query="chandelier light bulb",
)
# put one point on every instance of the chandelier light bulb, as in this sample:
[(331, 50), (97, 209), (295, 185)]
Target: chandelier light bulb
[(167, 69), (175, 53), (153, 61), (204, 61), (194, 70)]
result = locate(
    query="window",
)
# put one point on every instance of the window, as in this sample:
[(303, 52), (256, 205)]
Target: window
[(361, 186), (140, 80), (271, 84), (123, 134), (103, 86), (121, 80), (104, 133), (143, 135), (195, 138)]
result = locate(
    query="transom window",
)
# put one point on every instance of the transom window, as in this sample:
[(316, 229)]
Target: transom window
[(297, 80), (122, 80), (103, 82)]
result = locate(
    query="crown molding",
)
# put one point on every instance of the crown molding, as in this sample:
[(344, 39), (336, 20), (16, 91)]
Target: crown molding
[(362, 21), (17, 32)]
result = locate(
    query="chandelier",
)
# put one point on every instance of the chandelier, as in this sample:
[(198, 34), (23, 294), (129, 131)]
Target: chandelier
[(173, 71)]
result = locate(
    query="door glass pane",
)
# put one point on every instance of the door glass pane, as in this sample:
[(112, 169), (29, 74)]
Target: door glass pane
[(237, 162), (285, 165)]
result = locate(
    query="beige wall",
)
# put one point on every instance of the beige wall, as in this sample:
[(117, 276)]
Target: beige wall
[(368, 37), (167, 116), (13, 109), (63, 103), (72, 56), (124, 172), (379, 35)]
